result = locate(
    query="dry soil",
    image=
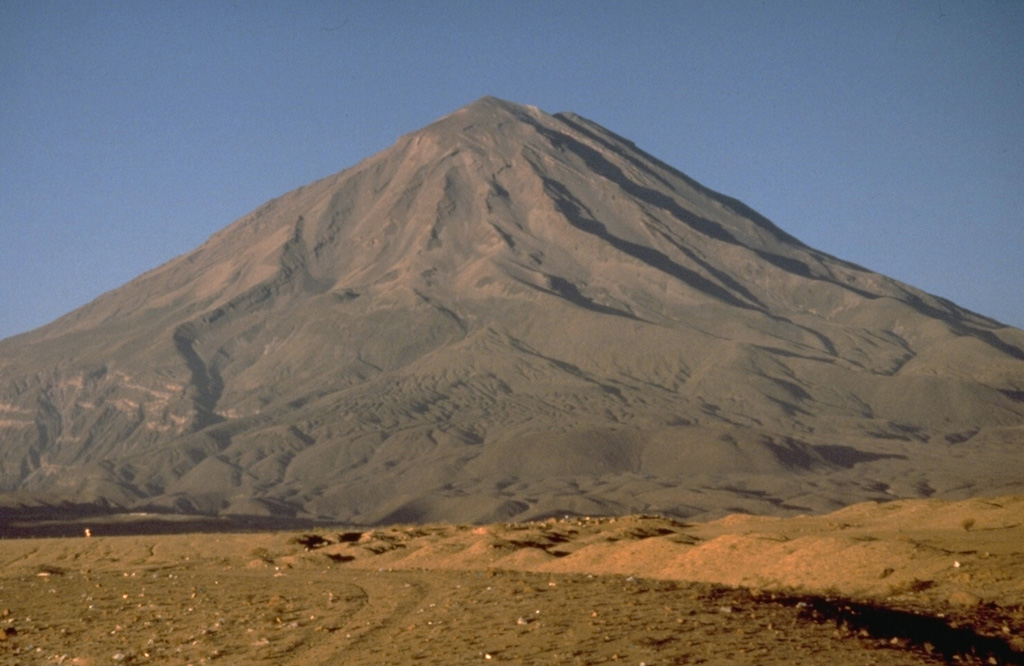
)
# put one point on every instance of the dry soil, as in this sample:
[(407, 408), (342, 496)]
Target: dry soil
[(917, 582)]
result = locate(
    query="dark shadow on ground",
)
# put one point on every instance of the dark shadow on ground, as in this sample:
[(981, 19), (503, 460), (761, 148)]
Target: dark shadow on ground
[(73, 520), (967, 639)]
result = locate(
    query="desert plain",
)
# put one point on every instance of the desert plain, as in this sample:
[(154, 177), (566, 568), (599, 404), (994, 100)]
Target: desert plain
[(902, 582)]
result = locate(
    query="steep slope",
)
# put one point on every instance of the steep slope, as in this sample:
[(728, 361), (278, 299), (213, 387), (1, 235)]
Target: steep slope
[(509, 313)]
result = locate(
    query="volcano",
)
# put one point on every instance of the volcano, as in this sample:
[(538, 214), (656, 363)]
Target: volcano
[(508, 315)]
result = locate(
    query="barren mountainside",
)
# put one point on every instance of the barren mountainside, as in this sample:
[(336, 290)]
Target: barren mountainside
[(509, 314)]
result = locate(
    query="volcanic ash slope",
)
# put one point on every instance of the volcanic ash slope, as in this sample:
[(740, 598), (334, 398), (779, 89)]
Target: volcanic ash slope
[(509, 314)]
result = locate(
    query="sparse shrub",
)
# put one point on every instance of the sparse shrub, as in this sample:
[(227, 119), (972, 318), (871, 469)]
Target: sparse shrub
[(262, 553), (309, 541)]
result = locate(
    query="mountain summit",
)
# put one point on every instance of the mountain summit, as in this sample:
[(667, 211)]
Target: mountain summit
[(509, 314)]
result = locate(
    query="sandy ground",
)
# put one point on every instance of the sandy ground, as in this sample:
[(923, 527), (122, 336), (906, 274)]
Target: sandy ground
[(912, 582)]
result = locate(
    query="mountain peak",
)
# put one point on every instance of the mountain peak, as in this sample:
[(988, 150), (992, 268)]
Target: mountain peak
[(490, 104), (486, 116), (508, 314)]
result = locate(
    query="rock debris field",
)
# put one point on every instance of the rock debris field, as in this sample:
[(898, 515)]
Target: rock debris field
[(915, 582)]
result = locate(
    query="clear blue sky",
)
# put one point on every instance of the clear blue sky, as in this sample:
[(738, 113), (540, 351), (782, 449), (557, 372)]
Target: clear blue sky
[(886, 133)]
